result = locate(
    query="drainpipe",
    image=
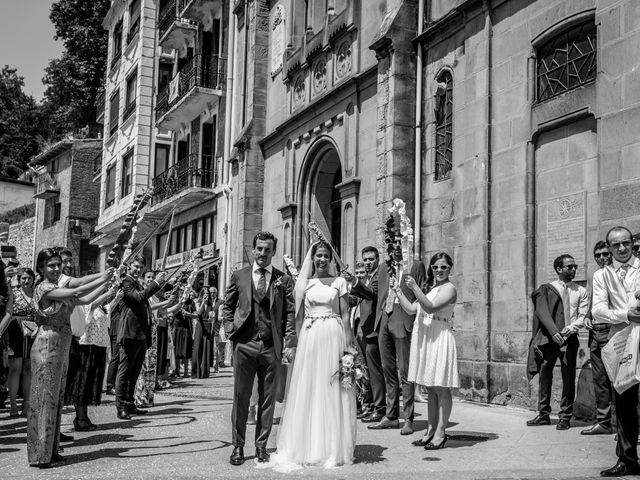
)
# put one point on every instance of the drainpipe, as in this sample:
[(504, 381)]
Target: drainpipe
[(488, 233), (418, 129), (226, 154)]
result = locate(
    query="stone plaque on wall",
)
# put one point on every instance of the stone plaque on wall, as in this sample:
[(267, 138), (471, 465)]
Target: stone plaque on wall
[(277, 39), (566, 232)]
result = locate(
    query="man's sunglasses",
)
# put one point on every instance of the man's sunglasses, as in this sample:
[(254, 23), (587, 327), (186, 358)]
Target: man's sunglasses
[(605, 254)]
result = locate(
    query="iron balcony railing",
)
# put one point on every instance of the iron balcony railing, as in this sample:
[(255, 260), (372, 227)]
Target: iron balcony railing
[(171, 14), (200, 71), (192, 171)]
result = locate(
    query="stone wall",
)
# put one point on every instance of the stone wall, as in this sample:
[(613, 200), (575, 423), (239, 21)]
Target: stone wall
[(21, 237)]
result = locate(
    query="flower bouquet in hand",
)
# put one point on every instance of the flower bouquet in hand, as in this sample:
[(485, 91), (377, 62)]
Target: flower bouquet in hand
[(352, 373)]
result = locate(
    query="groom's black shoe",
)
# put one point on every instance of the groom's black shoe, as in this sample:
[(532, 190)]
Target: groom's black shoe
[(375, 417), (262, 455), (385, 423), (237, 457)]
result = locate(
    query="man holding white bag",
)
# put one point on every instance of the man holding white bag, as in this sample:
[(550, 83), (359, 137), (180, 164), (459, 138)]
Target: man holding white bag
[(614, 302)]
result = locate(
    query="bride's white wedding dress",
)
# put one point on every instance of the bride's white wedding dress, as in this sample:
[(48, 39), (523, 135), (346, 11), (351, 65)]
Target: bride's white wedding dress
[(318, 425)]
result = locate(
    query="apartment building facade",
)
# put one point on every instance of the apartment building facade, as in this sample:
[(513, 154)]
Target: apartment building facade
[(132, 143), (66, 199), (190, 106)]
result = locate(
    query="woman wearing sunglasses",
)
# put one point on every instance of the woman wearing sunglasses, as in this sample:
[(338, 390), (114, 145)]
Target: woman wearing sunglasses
[(433, 358)]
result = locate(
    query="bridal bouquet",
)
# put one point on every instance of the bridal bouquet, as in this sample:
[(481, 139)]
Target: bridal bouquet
[(352, 373)]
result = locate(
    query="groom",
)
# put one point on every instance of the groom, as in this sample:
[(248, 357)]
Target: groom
[(259, 316)]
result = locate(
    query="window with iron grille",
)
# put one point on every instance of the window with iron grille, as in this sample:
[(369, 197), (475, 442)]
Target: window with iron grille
[(114, 112), (111, 186), (130, 99), (566, 62), (444, 126), (127, 170)]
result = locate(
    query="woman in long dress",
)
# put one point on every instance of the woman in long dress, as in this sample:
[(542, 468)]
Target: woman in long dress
[(433, 359), (202, 355), (319, 420), (50, 355)]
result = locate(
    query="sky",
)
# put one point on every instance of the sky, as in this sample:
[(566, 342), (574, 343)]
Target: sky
[(26, 40)]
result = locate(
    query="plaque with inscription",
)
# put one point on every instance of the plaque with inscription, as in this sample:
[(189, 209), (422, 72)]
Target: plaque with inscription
[(566, 232), (277, 39)]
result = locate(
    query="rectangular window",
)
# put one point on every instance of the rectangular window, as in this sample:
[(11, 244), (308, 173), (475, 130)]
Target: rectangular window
[(111, 185), (114, 112), (130, 99), (162, 159), (188, 237), (165, 72), (444, 126), (134, 20), (127, 169), (117, 43), (57, 209)]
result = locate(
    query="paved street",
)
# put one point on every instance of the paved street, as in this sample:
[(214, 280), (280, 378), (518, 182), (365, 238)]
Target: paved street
[(187, 435)]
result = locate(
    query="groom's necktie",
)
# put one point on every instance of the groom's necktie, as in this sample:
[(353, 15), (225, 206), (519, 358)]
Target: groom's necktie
[(262, 282)]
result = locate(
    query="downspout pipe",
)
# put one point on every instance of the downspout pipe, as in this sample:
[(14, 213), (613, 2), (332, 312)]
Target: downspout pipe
[(418, 131), (488, 233), (226, 154)]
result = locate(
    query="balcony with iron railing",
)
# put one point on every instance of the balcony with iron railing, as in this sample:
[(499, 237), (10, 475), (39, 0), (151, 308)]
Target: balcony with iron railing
[(47, 185), (186, 183), (199, 82), (201, 11), (175, 31)]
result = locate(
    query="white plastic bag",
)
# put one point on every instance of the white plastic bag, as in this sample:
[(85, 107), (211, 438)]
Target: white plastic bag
[(612, 351), (628, 366)]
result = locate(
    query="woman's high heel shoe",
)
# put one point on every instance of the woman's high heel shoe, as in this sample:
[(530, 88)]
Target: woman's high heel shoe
[(423, 441), (431, 446)]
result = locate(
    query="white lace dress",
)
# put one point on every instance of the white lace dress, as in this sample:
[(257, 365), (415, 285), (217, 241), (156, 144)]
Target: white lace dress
[(319, 422)]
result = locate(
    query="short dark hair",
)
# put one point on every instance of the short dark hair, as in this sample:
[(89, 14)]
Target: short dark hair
[(358, 265), (140, 259), (44, 256), (265, 236), (617, 229), (559, 261), (371, 249), (66, 252), (636, 237), (600, 244), (27, 271)]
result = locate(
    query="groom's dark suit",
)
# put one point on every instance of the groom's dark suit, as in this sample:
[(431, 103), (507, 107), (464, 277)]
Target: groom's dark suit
[(258, 326), (394, 337)]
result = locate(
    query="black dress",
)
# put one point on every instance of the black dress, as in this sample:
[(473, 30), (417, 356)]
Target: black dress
[(202, 345), (182, 336)]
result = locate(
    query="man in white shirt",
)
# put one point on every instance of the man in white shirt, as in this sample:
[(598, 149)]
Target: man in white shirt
[(614, 302), (560, 310)]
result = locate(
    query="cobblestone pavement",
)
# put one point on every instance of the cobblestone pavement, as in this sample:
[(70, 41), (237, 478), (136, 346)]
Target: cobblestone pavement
[(187, 435)]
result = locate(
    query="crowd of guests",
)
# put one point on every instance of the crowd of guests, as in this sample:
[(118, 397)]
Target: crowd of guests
[(62, 335), (605, 308)]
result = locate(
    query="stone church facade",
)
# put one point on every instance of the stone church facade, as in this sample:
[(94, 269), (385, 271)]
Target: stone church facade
[(518, 119)]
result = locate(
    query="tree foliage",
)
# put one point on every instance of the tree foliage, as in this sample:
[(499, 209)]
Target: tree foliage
[(74, 80), (20, 124)]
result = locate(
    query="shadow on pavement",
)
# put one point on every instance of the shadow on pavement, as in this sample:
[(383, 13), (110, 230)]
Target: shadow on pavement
[(468, 439), (369, 454)]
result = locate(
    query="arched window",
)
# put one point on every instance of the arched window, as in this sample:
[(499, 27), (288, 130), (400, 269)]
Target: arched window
[(567, 61), (444, 125)]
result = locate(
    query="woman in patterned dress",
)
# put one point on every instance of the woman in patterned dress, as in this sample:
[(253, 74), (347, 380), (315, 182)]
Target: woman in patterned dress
[(146, 383), (19, 328), (50, 355)]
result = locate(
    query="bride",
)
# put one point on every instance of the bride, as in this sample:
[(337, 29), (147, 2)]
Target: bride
[(318, 424)]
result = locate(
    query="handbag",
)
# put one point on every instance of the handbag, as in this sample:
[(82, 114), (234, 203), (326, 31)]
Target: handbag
[(629, 366)]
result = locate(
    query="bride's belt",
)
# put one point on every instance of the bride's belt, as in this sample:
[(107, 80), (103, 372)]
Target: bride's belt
[(312, 318)]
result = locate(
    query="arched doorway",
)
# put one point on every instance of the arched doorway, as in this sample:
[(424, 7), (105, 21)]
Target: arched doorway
[(321, 172)]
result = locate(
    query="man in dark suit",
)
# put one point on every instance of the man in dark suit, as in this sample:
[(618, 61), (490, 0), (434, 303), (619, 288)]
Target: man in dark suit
[(560, 309), (393, 326), (368, 334), (259, 314), (134, 335)]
